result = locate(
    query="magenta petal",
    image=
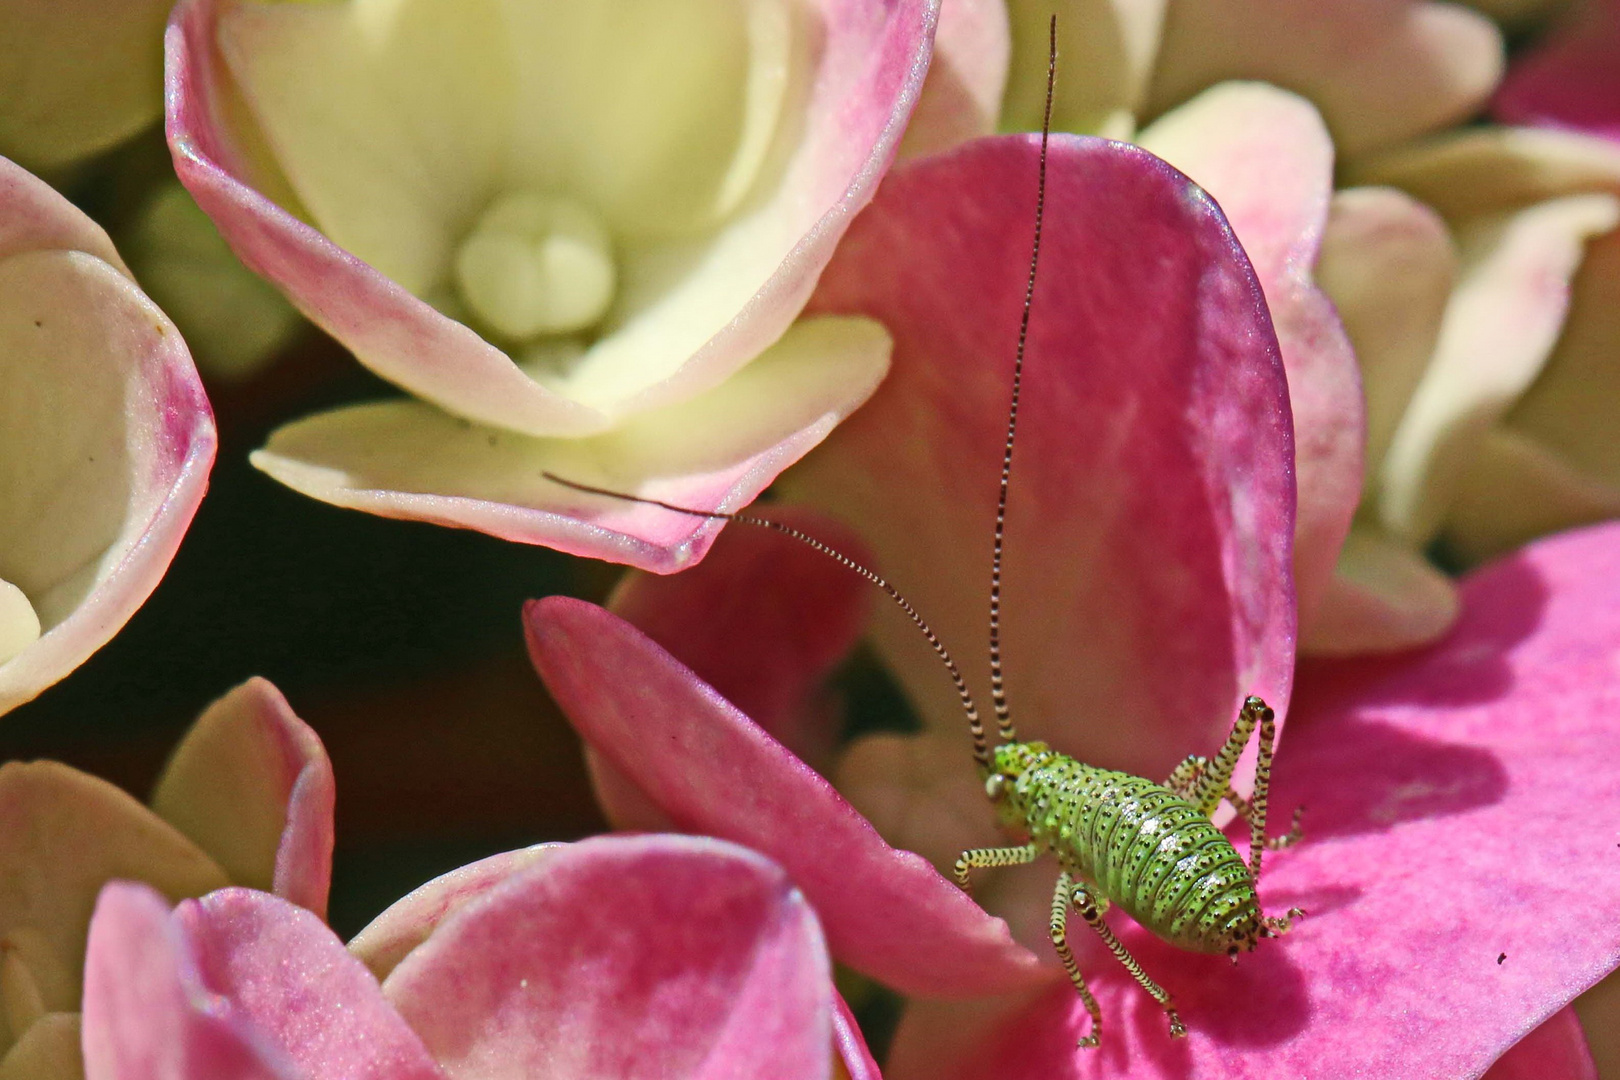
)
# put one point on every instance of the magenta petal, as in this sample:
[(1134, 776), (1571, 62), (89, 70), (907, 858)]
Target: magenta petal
[(146, 1016), (675, 957), (281, 970), (712, 770), (1571, 80), (1556, 1050), (851, 1044), (763, 620), (1458, 889), (1152, 511)]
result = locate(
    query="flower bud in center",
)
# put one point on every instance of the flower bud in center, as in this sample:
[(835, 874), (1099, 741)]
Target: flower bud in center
[(19, 626), (537, 264)]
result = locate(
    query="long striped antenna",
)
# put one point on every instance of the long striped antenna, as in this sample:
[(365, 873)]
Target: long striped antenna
[(981, 748), (998, 692)]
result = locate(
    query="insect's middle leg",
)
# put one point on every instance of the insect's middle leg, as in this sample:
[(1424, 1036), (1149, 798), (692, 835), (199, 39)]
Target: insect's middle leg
[(979, 858), (1059, 929), (1086, 904)]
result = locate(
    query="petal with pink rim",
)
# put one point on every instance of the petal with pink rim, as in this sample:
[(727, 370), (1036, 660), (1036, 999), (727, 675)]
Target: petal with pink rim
[(1106, 52), (1450, 866), (627, 957), (712, 770), (1151, 519), (67, 833), (967, 74), (1380, 71), (106, 440), (1264, 155), (147, 1013), (693, 308), (1555, 1050), (1383, 597), (251, 784), (717, 450), (1568, 80)]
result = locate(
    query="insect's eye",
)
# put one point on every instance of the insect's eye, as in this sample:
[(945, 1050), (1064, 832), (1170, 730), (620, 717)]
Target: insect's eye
[(995, 786)]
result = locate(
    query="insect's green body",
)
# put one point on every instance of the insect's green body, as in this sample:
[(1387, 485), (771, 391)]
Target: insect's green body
[(1134, 842)]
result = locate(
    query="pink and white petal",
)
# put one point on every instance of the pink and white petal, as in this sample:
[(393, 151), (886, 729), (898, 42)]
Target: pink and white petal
[(1516, 488), (712, 770), (147, 1014), (1451, 794), (1491, 170), (1152, 510), (36, 217), (410, 920), (79, 76), (1381, 71), (48, 1050), (967, 77), (106, 440), (278, 971), (1568, 80), (1499, 329), (1265, 156), (854, 1056), (627, 957), (764, 620), (1555, 1050), (406, 459), (1106, 50), (251, 784), (1384, 597), (66, 834), (1388, 265)]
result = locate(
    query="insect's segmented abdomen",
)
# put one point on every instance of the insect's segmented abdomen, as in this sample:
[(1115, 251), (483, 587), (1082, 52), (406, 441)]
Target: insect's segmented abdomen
[(1144, 847)]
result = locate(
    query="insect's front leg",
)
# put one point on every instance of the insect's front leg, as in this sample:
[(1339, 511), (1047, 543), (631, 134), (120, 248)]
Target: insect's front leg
[(1087, 905), (978, 858), (1059, 929)]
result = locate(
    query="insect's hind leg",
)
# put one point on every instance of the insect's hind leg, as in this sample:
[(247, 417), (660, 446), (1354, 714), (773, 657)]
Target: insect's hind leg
[(980, 858), (1086, 904), (1059, 929), (1295, 833)]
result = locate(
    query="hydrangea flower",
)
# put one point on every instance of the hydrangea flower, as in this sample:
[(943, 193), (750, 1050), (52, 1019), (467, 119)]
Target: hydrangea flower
[(614, 957), (106, 439), (1568, 80), (246, 799), (579, 237)]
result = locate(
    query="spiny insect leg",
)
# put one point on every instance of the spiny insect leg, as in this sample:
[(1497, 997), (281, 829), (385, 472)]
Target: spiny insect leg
[(1262, 784), (1186, 775), (1278, 925), (1060, 941), (1086, 905), (1214, 779), (1295, 833), (979, 858)]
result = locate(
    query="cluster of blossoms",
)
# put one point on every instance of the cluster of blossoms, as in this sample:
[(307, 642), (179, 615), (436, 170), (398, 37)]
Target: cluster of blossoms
[(1301, 342)]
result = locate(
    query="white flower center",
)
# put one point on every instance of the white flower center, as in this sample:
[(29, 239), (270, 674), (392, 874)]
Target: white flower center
[(537, 264), (19, 625)]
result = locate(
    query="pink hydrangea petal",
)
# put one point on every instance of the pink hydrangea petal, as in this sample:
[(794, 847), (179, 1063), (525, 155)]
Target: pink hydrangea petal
[(871, 60), (1555, 1050), (1599, 1011), (1450, 866), (718, 450), (1151, 518), (147, 1015), (1380, 71), (409, 921), (627, 957), (282, 974), (1383, 597), (66, 834), (106, 410), (252, 785), (763, 621), (712, 770), (1265, 156), (961, 98), (1569, 79), (853, 1052)]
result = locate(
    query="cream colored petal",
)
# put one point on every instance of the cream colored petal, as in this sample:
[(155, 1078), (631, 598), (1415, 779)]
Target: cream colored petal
[(1388, 265), (1489, 170), (1515, 488), (1383, 597), (967, 77), (48, 1050), (1106, 50), (1498, 331), (407, 459), (388, 117), (66, 834), (1379, 70), (77, 76)]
